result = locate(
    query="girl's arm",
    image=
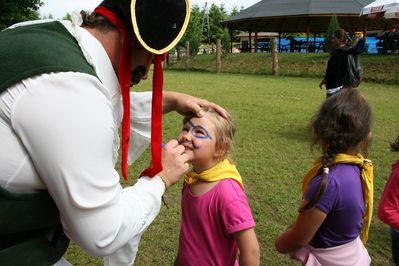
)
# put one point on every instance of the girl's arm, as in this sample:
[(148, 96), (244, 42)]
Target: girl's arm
[(176, 260), (301, 232), (249, 248), (388, 211)]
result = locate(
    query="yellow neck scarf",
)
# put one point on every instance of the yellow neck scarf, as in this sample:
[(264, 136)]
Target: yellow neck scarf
[(366, 168), (220, 171)]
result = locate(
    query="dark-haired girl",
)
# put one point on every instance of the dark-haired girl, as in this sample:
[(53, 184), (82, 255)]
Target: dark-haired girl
[(388, 210), (334, 218), (337, 65)]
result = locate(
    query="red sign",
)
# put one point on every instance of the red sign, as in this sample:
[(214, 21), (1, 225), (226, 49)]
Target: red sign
[(377, 9)]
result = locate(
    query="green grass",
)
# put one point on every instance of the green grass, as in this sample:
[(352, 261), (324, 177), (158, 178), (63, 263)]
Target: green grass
[(377, 68), (272, 151)]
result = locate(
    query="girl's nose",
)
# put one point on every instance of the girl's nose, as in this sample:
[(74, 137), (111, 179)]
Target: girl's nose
[(185, 136)]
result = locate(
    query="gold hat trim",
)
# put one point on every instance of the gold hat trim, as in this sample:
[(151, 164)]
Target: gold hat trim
[(172, 44)]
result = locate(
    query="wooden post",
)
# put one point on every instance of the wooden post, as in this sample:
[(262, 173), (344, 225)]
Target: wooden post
[(250, 41), (275, 67), (307, 38), (218, 52), (314, 42), (365, 30), (187, 55), (231, 40), (256, 42)]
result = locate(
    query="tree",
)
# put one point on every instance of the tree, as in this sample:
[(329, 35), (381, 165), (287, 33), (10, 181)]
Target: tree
[(67, 17), (235, 11), (333, 26), (14, 11), (217, 15), (225, 39), (193, 32), (196, 33)]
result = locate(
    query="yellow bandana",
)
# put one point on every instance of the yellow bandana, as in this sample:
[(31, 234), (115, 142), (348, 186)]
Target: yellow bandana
[(367, 184), (220, 171)]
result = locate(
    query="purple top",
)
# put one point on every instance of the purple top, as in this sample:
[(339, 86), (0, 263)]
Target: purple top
[(343, 203), (209, 222)]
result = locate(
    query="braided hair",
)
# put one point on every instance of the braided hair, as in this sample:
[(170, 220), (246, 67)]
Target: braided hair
[(342, 123)]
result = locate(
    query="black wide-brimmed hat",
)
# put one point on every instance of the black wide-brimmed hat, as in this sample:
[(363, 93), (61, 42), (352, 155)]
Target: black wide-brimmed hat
[(158, 25)]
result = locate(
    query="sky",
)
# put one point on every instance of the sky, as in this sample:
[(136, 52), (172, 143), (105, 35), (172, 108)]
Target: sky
[(58, 8)]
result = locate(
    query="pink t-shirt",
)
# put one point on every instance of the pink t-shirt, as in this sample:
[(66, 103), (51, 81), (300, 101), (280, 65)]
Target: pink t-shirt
[(388, 209), (209, 222)]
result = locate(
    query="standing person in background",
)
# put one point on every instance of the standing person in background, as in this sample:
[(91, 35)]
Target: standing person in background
[(388, 210), (65, 87), (338, 191), (335, 78), (216, 217)]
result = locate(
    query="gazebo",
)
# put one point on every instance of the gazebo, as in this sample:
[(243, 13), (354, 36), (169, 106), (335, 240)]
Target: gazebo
[(303, 16)]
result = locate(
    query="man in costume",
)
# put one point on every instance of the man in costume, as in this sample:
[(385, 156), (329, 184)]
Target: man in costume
[(64, 92)]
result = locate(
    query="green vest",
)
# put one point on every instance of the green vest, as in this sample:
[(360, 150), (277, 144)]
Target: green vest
[(26, 219), (36, 49)]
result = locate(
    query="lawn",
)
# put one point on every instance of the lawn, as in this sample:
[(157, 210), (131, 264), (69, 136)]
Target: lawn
[(272, 151)]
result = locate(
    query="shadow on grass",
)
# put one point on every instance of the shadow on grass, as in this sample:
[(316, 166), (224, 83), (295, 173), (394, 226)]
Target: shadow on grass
[(294, 132)]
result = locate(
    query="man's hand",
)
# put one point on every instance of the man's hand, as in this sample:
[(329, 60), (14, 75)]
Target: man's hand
[(323, 82), (174, 161), (184, 104)]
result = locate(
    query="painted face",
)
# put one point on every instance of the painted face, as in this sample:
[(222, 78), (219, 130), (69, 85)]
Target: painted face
[(198, 138)]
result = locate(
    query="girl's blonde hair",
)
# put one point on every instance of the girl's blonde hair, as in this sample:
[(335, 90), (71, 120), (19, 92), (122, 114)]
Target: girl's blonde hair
[(224, 131)]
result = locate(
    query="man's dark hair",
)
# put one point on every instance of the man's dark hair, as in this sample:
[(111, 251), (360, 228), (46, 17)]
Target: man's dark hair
[(91, 20)]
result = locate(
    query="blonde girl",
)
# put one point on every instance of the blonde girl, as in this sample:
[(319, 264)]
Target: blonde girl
[(216, 217)]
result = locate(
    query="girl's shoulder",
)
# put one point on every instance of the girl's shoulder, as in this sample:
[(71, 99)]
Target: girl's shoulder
[(339, 52), (344, 169), (229, 190), (395, 167), (201, 188), (230, 184), (339, 175)]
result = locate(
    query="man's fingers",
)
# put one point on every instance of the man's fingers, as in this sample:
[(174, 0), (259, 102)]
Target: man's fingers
[(222, 112), (197, 110), (172, 144), (186, 158), (206, 104), (174, 148)]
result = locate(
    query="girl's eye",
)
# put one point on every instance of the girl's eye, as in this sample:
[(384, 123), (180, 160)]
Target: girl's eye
[(199, 132)]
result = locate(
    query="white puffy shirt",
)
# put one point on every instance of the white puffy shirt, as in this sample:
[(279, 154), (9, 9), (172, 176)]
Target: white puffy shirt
[(59, 131)]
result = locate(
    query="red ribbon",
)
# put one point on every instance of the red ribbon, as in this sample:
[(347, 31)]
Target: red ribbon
[(124, 74), (156, 117)]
